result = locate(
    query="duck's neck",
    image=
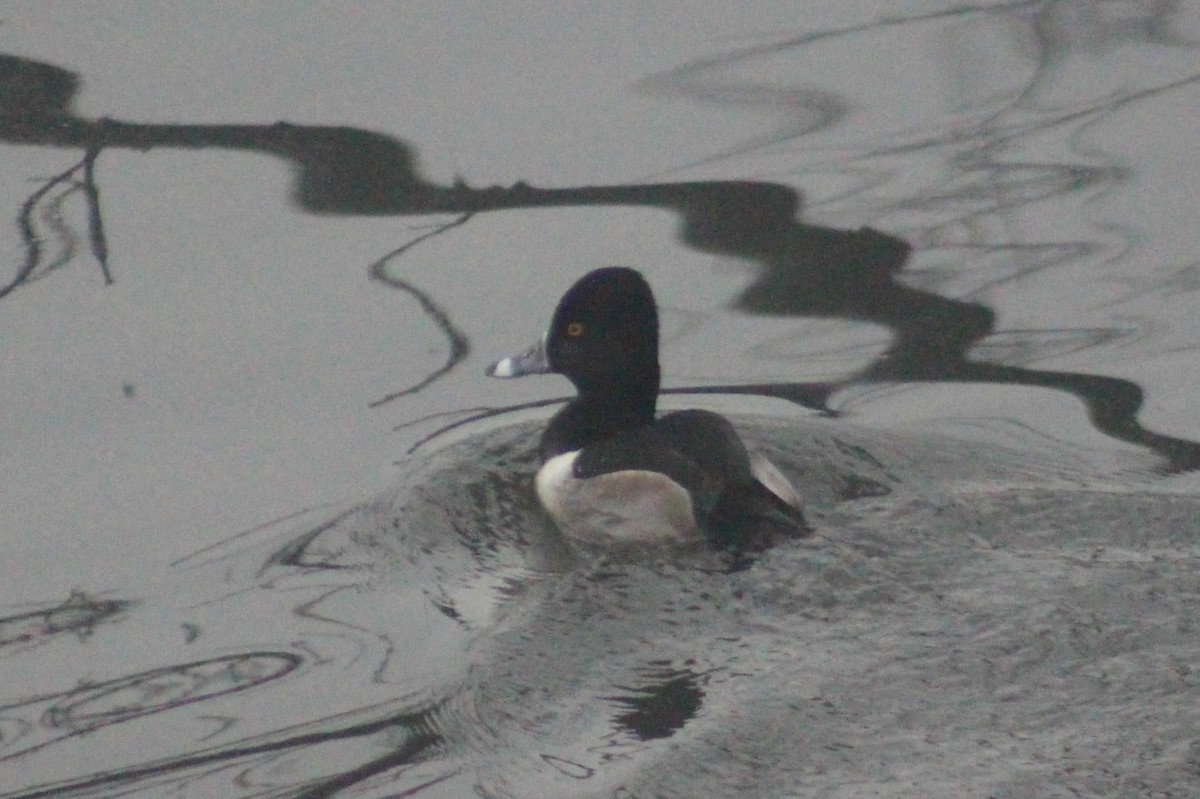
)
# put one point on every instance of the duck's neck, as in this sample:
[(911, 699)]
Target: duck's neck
[(602, 410)]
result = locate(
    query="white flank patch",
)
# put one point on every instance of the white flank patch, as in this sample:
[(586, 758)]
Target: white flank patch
[(631, 506)]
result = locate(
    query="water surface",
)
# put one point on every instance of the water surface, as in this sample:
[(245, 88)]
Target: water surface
[(944, 255)]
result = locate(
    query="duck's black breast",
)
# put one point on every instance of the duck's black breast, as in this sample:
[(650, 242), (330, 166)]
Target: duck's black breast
[(643, 449)]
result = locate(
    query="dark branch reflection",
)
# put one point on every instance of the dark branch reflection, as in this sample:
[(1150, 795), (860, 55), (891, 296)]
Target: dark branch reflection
[(804, 270)]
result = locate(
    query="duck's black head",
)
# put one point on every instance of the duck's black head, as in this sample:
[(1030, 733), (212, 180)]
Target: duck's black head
[(605, 332), (604, 339)]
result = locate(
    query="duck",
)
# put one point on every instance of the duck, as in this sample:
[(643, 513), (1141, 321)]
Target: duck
[(614, 473)]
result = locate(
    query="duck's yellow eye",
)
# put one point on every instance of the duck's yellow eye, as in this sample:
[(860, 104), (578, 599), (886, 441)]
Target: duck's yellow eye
[(575, 329)]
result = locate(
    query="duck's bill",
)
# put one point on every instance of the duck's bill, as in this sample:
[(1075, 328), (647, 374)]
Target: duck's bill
[(531, 362)]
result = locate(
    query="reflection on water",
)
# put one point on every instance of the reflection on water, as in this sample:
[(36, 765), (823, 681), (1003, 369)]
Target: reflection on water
[(77, 616), (982, 178), (986, 619)]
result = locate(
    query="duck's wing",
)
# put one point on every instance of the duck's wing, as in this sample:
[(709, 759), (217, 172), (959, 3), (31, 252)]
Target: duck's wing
[(749, 517), (712, 442), (754, 505), (709, 440)]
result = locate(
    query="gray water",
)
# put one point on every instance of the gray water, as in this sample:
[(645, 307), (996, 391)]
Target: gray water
[(268, 531), (964, 619)]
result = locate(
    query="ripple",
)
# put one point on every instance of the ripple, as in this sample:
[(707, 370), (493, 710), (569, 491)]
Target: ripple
[(79, 615), (136, 695)]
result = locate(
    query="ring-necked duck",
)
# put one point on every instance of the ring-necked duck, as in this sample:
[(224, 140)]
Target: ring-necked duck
[(613, 474)]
